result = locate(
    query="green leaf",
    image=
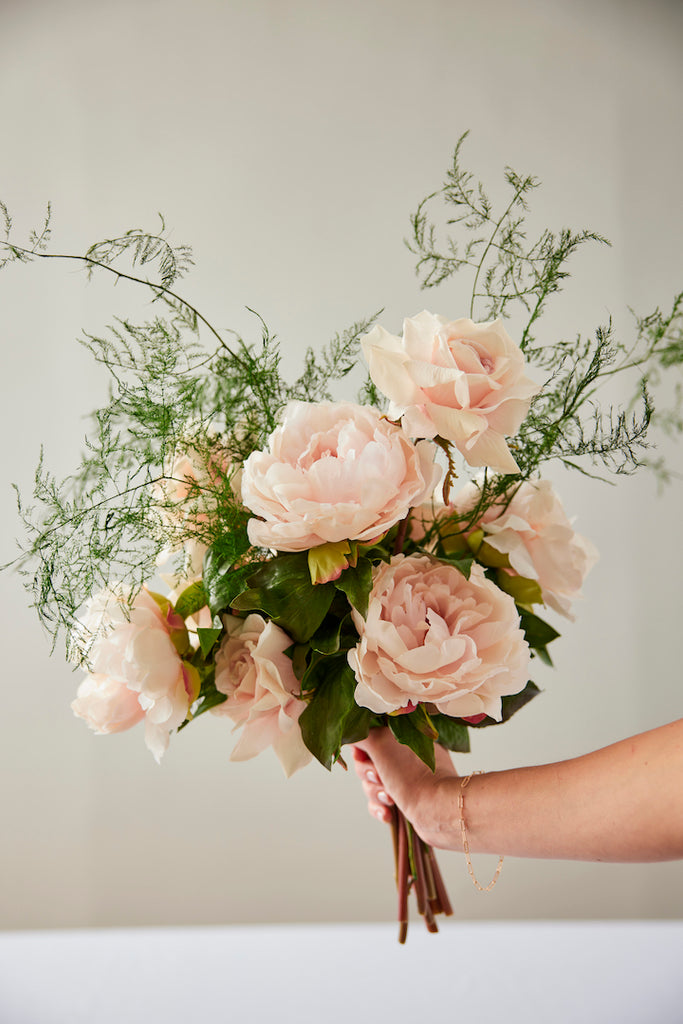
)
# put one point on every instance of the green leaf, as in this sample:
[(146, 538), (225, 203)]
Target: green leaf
[(356, 583), (192, 599), (453, 733), (542, 653), (357, 724), (223, 583), (407, 732), (323, 721), (282, 589), (211, 699), (326, 639), (523, 590), (511, 705), (463, 562), (207, 638), (424, 722), (538, 633), (209, 696)]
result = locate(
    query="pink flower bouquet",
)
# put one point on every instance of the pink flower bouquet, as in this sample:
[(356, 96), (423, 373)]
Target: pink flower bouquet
[(329, 576)]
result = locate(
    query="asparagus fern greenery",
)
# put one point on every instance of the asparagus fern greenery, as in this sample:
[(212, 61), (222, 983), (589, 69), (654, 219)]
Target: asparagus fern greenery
[(178, 382)]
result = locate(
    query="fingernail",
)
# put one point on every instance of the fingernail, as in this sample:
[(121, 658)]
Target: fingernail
[(372, 777), (379, 814), (384, 799)]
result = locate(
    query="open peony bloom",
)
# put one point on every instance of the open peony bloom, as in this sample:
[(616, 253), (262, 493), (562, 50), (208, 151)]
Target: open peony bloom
[(456, 379), (334, 472), (258, 678), (137, 672), (434, 637), (540, 543)]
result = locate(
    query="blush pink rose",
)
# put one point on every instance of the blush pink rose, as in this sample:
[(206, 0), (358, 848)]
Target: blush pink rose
[(186, 494), (534, 532), (136, 671), (334, 472), (456, 379), (431, 636), (258, 678)]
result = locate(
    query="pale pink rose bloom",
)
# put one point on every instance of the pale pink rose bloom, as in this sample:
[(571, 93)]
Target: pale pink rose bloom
[(107, 705), (334, 472), (133, 661), (539, 540), (258, 678), (433, 637), (179, 500), (456, 379)]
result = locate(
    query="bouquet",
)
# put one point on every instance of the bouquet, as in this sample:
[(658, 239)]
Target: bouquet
[(309, 565)]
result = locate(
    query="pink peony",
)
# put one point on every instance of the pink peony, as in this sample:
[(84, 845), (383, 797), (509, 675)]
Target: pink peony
[(334, 472), (538, 539), (460, 380), (137, 672), (258, 678), (431, 636)]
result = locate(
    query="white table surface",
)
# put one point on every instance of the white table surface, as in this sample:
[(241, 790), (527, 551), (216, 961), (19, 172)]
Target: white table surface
[(546, 972)]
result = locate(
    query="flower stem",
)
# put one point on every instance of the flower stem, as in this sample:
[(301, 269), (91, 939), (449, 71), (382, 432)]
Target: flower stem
[(416, 867)]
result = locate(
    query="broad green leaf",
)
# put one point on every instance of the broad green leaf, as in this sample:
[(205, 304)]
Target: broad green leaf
[(211, 699), (511, 705), (326, 639), (453, 733), (323, 721), (424, 722), (222, 583), (542, 653), (207, 638), (282, 589), (209, 696), (538, 633), (523, 590), (407, 732), (192, 599), (462, 562), (356, 583), (357, 724)]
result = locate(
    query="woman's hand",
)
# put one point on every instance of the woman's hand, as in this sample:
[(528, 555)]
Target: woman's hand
[(391, 773)]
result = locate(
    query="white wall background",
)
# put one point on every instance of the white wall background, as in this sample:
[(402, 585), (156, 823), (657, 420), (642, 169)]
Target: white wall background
[(288, 142)]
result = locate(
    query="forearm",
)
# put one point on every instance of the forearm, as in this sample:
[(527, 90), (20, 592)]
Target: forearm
[(621, 803)]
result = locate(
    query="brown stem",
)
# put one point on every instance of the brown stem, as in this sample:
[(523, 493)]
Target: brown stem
[(401, 535), (402, 878), (441, 893), (432, 895), (424, 904)]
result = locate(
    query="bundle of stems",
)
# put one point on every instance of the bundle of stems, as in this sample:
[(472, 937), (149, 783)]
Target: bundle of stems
[(416, 868)]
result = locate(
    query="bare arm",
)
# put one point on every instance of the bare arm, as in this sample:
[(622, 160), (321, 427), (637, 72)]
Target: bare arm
[(621, 803)]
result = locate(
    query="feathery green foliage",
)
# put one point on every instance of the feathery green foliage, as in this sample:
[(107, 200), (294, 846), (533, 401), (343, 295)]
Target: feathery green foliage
[(171, 398), (183, 390), (510, 274)]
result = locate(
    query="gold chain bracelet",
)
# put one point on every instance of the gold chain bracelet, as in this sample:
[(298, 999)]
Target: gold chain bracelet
[(465, 840)]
